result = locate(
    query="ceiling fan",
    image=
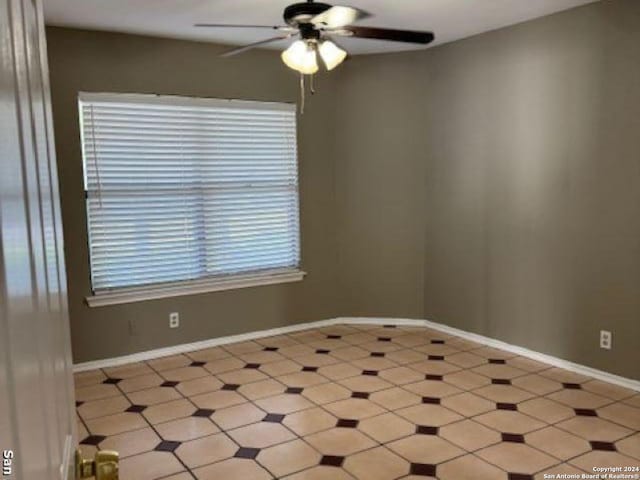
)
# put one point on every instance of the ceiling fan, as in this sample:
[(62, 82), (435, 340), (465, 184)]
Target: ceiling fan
[(315, 25)]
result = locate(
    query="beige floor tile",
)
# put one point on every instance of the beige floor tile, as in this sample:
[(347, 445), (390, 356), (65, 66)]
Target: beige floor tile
[(321, 473), (470, 435), (88, 378), (328, 344), (106, 406), (524, 363), (411, 341), (277, 341), (509, 422), (633, 401), (128, 371), (316, 360), (203, 451), (602, 459), (281, 368), (169, 411), (622, 414), (208, 354), (261, 435), (326, 393), (432, 388), (288, 458), (302, 379), (233, 469), (242, 376), (354, 408), (384, 347), (374, 363), (340, 441), (437, 349), (630, 446), (516, 458), (350, 353), (153, 396), (466, 360), (429, 415), (338, 371), (309, 421), (179, 476), (96, 392), (546, 410), (434, 367), (503, 393), (132, 443), (608, 390), (242, 347), (185, 429), (169, 363), (490, 352), (114, 424), (183, 374), (224, 365), (199, 385), (386, 427), (558, 443), (467, 404), (467, 380), (141, 382), (593, 428), (365, 383), (284, 403), (358, 338), (564, 376), (395, 398), (237, 416), (579, 398), (469, 467), (498, 371), (261, 357), (262, 389), (429, 449), (401, 375), (295, 351), (376, 464), (537, 384), (404, 357), (149, 466), (219, 399)]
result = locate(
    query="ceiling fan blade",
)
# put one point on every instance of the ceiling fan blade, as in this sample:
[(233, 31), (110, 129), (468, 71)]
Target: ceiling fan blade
[(226, 25), (339, 16), (243, 49), (407, 36)]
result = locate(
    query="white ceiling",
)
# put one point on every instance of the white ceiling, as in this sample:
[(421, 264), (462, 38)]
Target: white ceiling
[(448, 19)]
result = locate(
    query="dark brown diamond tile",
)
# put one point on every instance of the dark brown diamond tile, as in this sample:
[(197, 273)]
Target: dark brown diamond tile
[(423, 470), (167, 446), (273, 418), (248, 453), (136, 408), (203, 412), (332, 460), (93, 440), (507, 406), (603, 446), (431, 400), (427, 430), (512, 437), (347, 423)]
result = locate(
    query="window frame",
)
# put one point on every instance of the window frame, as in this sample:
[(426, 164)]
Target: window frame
[(120, 295)]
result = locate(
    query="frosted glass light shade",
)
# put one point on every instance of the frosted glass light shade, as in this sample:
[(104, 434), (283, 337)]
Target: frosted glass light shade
[(301, 57), (331, 54)]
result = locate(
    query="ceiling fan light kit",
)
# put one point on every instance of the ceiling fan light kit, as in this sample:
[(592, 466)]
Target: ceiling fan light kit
[(315, 24)]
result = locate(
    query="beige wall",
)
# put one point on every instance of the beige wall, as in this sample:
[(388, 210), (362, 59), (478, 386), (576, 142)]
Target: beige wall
[(97, 62), (490, 184), (513, 159)]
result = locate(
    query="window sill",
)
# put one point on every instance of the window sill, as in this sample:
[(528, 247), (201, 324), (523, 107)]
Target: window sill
[(140, 294)]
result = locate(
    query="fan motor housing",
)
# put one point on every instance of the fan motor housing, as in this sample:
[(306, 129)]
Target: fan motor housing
[(301, 13)]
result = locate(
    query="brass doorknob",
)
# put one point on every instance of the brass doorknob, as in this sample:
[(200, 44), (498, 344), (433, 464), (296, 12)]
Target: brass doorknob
[(104, 466)]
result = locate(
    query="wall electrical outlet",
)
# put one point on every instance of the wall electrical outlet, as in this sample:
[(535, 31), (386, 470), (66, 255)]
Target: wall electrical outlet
[(606, 339), (174, 320)]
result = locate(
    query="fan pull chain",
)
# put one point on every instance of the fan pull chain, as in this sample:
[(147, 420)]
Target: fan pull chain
[(302, 94), (312, 87)]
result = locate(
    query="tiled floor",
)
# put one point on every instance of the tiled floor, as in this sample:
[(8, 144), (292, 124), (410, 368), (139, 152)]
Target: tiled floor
[(365, 402)]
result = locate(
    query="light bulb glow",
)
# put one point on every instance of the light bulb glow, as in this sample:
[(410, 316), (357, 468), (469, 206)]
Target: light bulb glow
[(331, 54), (302, 57)]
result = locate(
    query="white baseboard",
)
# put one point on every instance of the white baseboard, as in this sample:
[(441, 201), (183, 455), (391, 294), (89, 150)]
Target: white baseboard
[(491, 342), (192, 347)]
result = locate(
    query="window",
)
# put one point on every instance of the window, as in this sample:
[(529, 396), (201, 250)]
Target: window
[(187, 195)]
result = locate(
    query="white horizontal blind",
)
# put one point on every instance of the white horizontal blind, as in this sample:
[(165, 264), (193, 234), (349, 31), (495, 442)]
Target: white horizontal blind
[(184, 189)]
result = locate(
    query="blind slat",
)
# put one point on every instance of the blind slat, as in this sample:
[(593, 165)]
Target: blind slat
[(189, 189)]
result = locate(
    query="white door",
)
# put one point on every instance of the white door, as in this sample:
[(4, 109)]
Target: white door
[(36, 399)]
